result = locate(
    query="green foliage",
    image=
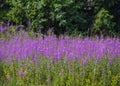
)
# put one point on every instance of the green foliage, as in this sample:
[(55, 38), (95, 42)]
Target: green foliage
[(62, 73), (1, 72), (103, 22), (4, 7), (72, 17), (2, 14), (64, 15)]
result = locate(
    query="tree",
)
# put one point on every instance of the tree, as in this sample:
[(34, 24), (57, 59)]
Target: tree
[(103, 22)]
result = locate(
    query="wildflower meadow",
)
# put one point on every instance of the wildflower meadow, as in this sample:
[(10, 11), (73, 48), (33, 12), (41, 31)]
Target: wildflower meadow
[(47, 60)]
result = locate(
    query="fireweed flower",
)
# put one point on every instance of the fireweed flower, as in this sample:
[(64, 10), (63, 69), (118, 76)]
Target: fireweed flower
[(9, 78), (8, 24), (2, 29), (21, 73), (48, 80), (22, 46), (48, 66)]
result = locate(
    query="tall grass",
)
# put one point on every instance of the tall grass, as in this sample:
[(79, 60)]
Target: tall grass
[(63, 72)]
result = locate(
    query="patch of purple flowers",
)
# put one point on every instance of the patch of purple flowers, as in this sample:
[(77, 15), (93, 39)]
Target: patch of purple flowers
[(21, 47), (21, 73)]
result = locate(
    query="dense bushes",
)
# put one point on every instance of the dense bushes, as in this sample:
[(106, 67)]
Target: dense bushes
[(66, 16)]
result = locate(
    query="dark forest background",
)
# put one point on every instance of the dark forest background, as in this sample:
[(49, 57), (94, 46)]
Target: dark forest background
[(71, 17)]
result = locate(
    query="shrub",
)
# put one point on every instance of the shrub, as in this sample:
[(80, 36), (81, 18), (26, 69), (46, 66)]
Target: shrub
[(103, 22)]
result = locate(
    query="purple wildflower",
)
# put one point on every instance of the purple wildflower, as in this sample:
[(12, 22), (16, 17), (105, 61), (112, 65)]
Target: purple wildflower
[(21, 73), (48, 80)]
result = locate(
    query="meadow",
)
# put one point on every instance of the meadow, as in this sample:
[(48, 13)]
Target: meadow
[(27, 60)]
